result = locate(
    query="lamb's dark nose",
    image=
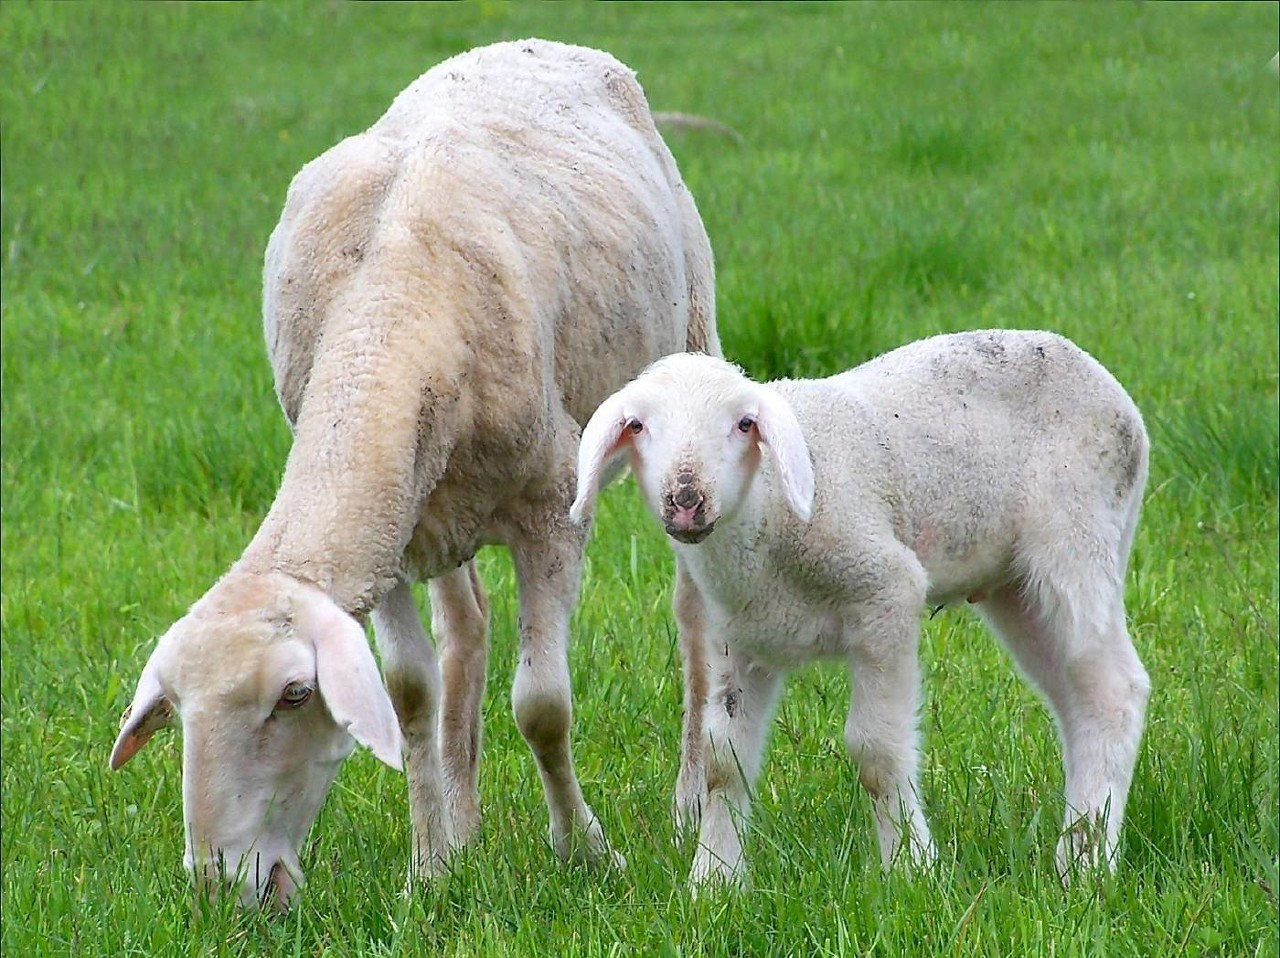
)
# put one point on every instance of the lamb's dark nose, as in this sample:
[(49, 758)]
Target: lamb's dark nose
[(685, 511), (685, 501), (686, 495)]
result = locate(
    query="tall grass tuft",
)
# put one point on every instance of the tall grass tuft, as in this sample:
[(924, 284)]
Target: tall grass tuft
[(1229, 450)]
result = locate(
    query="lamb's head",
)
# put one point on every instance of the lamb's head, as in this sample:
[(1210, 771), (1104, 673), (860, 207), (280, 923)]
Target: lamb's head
[(695, 427), (271, 681)]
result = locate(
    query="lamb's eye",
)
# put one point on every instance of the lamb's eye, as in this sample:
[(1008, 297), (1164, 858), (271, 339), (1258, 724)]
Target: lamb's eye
[(634, 425), (745, 424), (294, 695)]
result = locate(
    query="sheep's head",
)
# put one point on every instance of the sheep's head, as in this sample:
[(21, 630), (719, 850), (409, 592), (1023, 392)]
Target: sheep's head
[(694, 427), (271, 682)]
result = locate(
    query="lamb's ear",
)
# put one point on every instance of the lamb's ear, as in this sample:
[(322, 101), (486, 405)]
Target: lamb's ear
[(348, 677), (602, 442), (149, 713), (780, 433)]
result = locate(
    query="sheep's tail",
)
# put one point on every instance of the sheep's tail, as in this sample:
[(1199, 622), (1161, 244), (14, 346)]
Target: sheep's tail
[(702, 337), (700, 274), (675, 122)]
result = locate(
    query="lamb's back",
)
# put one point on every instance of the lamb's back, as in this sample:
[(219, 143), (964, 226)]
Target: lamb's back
[(946, 443)]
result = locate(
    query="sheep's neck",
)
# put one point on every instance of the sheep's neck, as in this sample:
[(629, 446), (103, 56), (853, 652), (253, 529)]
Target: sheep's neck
[(368, 446)]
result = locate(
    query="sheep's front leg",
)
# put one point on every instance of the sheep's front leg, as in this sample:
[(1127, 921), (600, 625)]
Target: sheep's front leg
[(736, 727), (413, 682), (547, 574), (691, 784), (460, 621), (882, 731)]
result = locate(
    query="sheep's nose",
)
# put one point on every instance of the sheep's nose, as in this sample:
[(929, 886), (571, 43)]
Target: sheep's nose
[(280, 889), (270, 888)]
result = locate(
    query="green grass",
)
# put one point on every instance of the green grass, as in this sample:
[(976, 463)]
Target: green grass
[(1107, 171)]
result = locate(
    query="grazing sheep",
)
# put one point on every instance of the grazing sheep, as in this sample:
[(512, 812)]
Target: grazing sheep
[(1001, 467), (448, 297)]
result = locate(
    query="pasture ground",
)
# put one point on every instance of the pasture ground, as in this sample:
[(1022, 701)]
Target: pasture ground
[(1107, 171)]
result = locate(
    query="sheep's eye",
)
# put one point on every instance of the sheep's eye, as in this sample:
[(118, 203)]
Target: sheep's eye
[(294, 695), (634, 425), (745, 424)]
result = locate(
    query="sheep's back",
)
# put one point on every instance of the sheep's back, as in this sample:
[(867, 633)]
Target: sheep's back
[(527, 186)]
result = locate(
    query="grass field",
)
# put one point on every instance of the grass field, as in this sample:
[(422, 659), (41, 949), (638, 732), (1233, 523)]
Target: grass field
[(1111, 172)]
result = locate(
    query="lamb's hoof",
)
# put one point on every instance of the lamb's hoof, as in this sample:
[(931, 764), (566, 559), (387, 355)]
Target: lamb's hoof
[(691, 795), (918, 856), (586, 845), (1083, 848), (689, 801)]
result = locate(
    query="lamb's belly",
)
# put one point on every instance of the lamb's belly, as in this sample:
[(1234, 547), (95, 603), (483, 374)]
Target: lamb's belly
[(966, 575), (786, 637)]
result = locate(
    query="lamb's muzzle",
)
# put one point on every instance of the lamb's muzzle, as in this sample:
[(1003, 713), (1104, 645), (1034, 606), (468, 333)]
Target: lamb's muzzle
[(686, 513)]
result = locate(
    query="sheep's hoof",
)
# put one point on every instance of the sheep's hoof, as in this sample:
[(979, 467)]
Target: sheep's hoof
[(429, 862), (712, 875), (586, 845), (466, 822)]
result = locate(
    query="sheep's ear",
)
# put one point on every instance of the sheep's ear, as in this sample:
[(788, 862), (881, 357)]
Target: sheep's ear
[(780, 433), (601, 444), (149, 713), (348, 677)]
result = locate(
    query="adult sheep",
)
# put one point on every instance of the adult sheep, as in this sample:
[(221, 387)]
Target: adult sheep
[(448, 297)]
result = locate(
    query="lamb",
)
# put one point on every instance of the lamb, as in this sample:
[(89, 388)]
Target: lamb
[(999, 466), (447, 298)]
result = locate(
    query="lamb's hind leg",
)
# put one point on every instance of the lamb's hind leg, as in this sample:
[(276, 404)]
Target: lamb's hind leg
[(413, 682), (1087, 668), (460, 621), (548, 562)]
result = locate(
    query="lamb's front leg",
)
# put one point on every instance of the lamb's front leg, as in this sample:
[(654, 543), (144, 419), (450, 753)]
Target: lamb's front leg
[(547, 573), (413, 682), (691, 784), (736, 724), (882, 730)]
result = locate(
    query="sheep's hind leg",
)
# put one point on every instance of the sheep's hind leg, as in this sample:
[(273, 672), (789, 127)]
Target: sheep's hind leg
[(691, 784), (548, 563), (413, 682), (1097, 689), (460, 621)]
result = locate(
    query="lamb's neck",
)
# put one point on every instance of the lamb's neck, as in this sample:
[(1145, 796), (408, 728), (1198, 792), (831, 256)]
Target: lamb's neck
[(372, 438), (736, 553)]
